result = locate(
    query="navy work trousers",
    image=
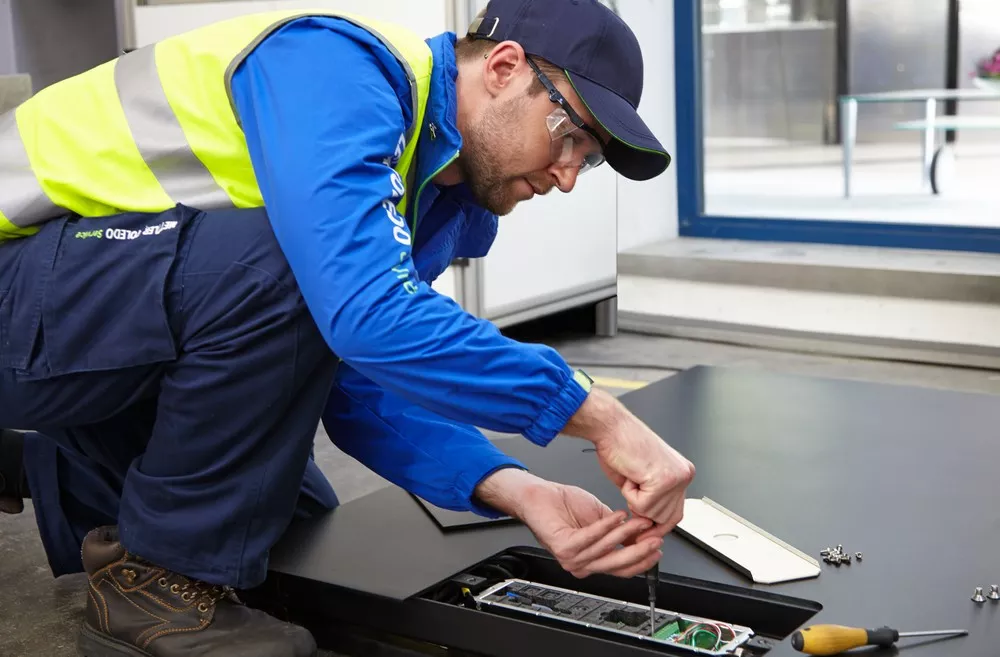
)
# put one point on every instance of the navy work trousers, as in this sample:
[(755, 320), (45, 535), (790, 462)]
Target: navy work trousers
[(173, 380)]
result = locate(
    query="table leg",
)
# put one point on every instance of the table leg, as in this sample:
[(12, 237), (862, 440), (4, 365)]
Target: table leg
[(607, 318), (848, 135), (930, 115)]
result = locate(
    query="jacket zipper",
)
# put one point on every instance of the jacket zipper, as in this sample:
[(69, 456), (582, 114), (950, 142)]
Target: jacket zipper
[(415, 208)]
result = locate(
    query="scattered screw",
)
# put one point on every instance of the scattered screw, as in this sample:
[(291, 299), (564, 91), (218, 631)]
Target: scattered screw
[(837, 556), (994, 593), (978, 595)]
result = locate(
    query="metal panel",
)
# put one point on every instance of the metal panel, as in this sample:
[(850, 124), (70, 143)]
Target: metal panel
[(895, 45), (770, 82)]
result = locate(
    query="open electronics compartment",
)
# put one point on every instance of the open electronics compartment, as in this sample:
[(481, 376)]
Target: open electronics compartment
[(444, 616)]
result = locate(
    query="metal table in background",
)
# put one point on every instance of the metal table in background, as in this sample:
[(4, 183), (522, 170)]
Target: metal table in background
[(930, 97), (908, 476)]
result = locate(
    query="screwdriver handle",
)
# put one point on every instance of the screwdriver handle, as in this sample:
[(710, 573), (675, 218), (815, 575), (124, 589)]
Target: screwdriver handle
[(835, 639), (652, 580)]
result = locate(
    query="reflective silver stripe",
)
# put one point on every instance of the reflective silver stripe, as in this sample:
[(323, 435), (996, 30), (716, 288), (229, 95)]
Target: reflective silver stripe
[(22, 200), (159, 135)]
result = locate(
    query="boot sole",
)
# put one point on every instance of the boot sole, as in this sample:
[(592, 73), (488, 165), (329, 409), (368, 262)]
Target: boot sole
[(91, 643)]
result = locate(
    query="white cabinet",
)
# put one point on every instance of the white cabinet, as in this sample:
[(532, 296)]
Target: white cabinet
[(554, 252)]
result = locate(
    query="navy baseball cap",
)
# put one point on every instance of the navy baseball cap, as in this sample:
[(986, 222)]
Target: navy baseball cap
[(602, 60)]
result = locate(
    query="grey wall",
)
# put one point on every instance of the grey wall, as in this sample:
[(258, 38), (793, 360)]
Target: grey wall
[(56, 39), (7, 63)]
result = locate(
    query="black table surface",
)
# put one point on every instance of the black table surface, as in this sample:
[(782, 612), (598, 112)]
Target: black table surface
[(908, 476)]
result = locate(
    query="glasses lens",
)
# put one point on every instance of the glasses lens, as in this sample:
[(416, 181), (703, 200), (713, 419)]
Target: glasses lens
[(572, 146)]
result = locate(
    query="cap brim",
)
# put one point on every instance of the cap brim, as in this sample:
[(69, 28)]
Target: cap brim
[(634, 153)]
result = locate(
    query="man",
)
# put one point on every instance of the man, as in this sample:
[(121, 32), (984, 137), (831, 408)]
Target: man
[(213, 243)]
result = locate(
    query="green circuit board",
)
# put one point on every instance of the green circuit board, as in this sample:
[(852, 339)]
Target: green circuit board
[(699, 635)]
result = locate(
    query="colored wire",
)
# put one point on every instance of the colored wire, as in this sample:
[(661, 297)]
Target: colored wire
[(728, 627), (694, 637), (718, 630)]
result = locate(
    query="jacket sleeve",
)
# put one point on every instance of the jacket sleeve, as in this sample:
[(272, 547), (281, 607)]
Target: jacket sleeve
[(323, 114), (421, 452)]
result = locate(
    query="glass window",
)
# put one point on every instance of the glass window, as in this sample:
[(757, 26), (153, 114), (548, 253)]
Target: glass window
[(823, 109)]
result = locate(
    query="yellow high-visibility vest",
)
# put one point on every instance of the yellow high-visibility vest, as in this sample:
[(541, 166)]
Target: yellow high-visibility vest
[(158, 126)]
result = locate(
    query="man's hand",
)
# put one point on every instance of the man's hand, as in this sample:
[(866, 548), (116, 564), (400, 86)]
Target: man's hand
[(584, 535), (652, 476)]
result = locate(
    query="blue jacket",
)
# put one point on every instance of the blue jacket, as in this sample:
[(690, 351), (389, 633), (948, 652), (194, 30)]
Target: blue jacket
[(323, 104)]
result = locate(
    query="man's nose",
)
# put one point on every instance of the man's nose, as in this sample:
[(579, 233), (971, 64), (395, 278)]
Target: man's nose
[(565, 177)]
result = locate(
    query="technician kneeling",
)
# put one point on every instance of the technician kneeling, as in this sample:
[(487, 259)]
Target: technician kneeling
[(173, 355)]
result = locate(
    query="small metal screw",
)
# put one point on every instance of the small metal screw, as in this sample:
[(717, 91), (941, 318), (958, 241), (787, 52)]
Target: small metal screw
[(978, 595), (994, 593), (857, 555), (840, 548), (847, 559)]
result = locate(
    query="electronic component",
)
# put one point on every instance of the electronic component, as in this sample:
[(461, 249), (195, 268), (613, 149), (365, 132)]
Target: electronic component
[(471, 582), (699, 635)]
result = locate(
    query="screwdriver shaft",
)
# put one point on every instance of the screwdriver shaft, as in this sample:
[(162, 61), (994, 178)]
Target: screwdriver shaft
[(934, 633), (652, 579)]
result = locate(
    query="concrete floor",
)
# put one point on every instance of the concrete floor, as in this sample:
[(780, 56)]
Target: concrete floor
[(40, 615)]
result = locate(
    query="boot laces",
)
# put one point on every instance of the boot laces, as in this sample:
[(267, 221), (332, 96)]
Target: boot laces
[(191, 591)]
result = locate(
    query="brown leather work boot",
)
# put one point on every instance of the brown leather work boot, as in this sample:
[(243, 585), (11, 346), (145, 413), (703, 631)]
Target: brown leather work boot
[(13, 486), (137, 609)]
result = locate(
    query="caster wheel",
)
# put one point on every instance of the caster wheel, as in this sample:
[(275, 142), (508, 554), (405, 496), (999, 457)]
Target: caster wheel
[(942, 170)]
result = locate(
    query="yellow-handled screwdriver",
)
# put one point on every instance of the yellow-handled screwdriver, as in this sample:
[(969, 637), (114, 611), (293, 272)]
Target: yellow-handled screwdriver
[(835, 639)]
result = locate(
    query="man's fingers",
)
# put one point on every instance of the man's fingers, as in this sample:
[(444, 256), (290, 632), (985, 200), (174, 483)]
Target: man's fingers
[(624, 559), (622, 534), (584, 538), (656, 531), (640, 567), (663, 510), (668, 511)]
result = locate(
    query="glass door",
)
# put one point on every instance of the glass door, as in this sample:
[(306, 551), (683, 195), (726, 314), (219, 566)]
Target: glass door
[(829, 121)]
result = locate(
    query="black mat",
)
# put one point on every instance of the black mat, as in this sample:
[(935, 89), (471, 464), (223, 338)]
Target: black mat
[(908, 476)]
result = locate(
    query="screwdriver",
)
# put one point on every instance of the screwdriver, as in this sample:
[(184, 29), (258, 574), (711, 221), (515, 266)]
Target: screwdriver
[(652, 578), (835, 639)]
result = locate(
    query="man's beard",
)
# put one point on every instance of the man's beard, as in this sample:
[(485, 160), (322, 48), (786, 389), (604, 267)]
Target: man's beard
[(484, 150)]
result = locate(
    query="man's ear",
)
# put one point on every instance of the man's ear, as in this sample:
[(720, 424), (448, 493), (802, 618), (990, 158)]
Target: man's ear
[(503, 67)]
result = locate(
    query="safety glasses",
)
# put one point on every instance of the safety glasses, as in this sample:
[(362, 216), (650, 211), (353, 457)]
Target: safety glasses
[(573, 142)]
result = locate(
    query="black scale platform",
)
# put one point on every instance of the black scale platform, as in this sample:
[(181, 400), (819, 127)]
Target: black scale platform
[(908, 476)]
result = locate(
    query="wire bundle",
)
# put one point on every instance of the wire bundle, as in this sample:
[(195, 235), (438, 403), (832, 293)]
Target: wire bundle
[(713, 630)]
